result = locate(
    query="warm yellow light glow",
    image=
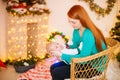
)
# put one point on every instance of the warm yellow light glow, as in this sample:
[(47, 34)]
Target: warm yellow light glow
[(28, 45), (12, 21), (20, 29), (22, 20), (42, 56), (14, 13), (16, 38), (45, 17), (21, 37), (39, 19), (33, 28), (18, 22), (19, 43), (31, 36), (9, 32)]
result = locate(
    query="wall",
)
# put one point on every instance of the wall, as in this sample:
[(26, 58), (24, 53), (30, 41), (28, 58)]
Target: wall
[(3, 30), (58, 19)]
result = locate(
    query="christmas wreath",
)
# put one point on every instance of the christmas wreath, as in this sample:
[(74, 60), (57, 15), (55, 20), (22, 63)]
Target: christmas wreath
[(99, 10)]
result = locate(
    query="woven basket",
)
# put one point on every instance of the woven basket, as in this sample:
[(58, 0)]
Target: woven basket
[(21, 69)]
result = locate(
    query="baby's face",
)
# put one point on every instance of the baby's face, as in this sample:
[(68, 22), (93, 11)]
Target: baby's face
[(56, 47)]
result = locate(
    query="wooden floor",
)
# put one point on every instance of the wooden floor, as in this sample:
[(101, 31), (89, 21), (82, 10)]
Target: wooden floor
[(113, 72), (8, 74)]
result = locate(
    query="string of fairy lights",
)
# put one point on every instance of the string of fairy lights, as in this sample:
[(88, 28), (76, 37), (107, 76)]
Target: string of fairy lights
[(27, 35)]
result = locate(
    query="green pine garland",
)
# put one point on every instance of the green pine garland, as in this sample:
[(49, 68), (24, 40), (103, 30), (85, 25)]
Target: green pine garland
[(115, 34), (29, 60), (118, 57), (99, 10), (115, 31)]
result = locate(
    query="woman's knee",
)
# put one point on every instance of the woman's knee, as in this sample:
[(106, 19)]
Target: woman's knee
[(61, 72), (57, 74), (55, 65), (51, 68)]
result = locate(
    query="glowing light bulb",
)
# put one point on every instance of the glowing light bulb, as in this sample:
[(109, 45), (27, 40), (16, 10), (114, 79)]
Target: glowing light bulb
[(45, 18), (12, 21)]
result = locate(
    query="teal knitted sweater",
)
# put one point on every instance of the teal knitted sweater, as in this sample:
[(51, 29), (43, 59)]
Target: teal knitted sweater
[(88, 47)]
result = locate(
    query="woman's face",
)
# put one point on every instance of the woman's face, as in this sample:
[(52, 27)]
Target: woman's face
[(75, 23)]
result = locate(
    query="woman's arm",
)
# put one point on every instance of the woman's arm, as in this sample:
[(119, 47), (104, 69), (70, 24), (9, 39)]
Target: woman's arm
[(69, 51), (88, 44)]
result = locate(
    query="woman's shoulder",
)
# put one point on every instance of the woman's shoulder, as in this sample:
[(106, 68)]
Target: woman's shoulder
[(88, 32)]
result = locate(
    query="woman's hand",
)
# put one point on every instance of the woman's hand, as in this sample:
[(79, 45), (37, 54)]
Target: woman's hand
[(56, 54)]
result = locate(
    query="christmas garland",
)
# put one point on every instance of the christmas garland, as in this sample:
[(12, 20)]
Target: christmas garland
[(53, 34), (30, 59), (99, 10), (115, 31), (118, 57), (26, 7)]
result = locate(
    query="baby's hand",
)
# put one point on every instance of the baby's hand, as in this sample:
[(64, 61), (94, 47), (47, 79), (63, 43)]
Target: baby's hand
[(56, 54)]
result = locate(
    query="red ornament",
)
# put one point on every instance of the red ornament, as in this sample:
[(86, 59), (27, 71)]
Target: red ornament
[(2, 64), (19, 6)]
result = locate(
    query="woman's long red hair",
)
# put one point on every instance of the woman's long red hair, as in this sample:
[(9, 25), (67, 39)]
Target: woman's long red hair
[(78, 12)]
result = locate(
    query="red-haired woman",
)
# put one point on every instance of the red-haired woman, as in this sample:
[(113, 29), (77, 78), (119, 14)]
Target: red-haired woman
[(85, 32)]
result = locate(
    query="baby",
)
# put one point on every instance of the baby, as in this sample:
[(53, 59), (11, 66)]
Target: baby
[(55, 48)]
